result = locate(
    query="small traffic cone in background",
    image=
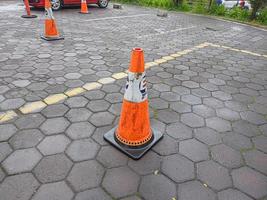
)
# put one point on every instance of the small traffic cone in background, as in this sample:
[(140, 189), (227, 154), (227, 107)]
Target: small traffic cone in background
[(51, 32), (28, 10), (84, 9), (134, 136)]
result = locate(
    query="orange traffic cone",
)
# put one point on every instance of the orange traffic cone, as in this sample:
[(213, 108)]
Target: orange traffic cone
[(28, 10), (84, 9), (51, 32), (134, 136)]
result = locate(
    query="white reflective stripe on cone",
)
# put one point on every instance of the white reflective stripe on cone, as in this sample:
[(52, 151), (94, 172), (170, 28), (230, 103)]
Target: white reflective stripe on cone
[(49, 13), (136, 88)]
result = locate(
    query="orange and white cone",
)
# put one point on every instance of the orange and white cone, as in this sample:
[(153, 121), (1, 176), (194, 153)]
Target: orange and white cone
[(51, 31), (28, 10), (134, 136), (84, 8)]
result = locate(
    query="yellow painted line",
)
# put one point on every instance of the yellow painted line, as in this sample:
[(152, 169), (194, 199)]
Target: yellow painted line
[(32, 107), (56, 98)]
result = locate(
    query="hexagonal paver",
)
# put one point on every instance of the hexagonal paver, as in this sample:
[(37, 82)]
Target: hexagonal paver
[(5, 150), (260, 143), (157, 187), (213, 102), (114, 182), (54, 126), (80, 150), (180, 107), (208, 136), (54, 191), (170, 96), (231, 194), (2, 175), (26, 139), (52, 168), (102, 119), (20, 187), (10, 104), (158, 103), (93, 194), (114, 97), (57, 110), (76, 102), (98, 105), (94, 94), (227, 114), (78, 114), (204, 111), (218, 124), (237, 141), (53, 144), (80, 130), (226, 156), (29, 121), (221, 95), (195, 190), (161, 87), (214, 175), (179, 131), (245, 128), (178, 168), (250, 182), (253, 117), (85, 175), (111, 157), (7, 130), (257, 160), (147, 164), (21, 161), (166, 146), (194, 150), (192, 120)]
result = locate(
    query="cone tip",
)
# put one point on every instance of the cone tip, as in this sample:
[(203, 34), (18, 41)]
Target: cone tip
[(137, 64)]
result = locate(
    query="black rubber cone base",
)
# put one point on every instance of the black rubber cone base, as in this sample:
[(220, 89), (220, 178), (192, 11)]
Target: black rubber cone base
[(29, 16), (133, 152), (52, 38)]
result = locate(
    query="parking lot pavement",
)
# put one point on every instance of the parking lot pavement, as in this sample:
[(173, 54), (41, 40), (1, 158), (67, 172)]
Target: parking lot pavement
[(207, 86)]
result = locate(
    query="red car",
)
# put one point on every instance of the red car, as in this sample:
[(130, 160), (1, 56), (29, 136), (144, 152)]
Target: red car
[(58, 4)]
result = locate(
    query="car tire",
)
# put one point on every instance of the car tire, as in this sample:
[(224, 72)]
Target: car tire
[(103, 3), (56, 4)]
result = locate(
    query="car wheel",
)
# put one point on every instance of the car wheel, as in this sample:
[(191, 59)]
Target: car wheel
[(103, 3), (56, 4)]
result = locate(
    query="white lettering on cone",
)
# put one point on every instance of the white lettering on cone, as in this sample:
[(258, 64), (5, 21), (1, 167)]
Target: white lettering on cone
[(136, 88)]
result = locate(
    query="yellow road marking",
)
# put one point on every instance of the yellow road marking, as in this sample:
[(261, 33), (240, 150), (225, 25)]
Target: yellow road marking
[(53, 99)]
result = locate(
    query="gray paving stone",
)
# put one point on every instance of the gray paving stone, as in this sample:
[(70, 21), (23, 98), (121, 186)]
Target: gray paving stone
[(237, 141), (26, 139), (179, 131), (180, 107), (201, 92), (21, 161), (227, 114), (29, 121), (256, 160), (180, 90), (115, 109), (204, 111), (81, 150), (213, 102), (190, 84), (76, 102), (245, 128), (209, 86), (226, 156), (78, 114), (94, 94), (220, 178), (166, 146), (10, 104), (52, 168), (114, 97), (93, 194), (5, 150), (132, 198), (111, 157), (178, 168), (253, 117), (194, 150), (85, 175), (195, 190), (192, 120), (236, 106), (231, 194), (2, 176), (80, 130), (263, 129), (158, 103), (221, 95), (54, 126), (53, 144), (157, 187), (6, 131), (158, 125), (102, 119), (54, 191), (147, 164), (99, 133), (208, 136), (57, 110), (191, 99), (168, 116), (114, 182), (260, 143), (19, 187), (218, 124), (161, 87), (170, 96), (98, 105), (250, 182)]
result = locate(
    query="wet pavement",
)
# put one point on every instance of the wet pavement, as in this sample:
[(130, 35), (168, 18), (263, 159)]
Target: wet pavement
[(207, 88)]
